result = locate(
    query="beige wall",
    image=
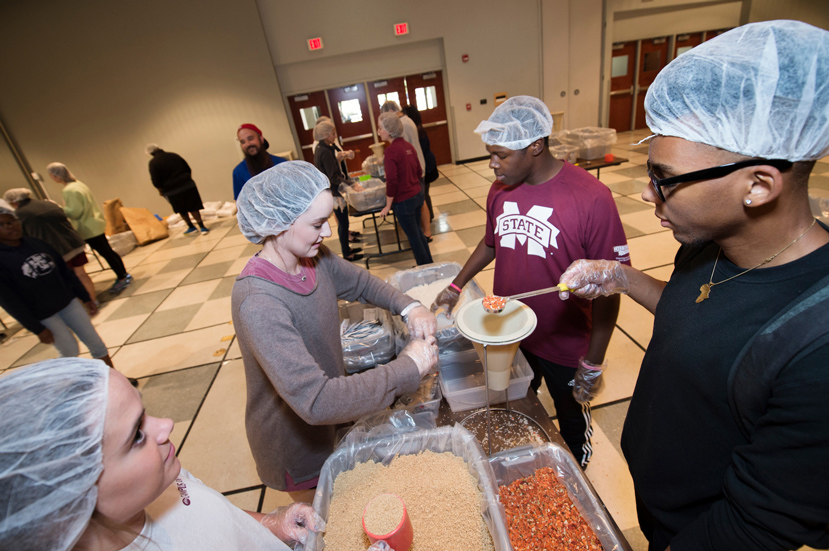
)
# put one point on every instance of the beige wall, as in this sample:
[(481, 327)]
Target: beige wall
[(502, 42), (814, 12), (89, 83)]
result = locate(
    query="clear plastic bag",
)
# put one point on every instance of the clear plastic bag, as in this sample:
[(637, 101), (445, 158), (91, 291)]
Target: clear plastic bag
[(448, 337), (508, 466), (367, 336), (426, 398), (386, 443), (372, 165)]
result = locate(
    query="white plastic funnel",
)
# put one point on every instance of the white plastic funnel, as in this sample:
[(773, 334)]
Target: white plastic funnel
[(377, 149), (502, 333)]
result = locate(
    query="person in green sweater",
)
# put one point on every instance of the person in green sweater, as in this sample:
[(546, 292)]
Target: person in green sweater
[(86, 216)]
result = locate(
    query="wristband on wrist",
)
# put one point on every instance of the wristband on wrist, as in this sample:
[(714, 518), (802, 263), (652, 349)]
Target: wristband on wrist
[(591, 366), (455, 287)]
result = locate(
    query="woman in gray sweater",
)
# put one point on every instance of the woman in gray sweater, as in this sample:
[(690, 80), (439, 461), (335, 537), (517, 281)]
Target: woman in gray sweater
[(284, 307)]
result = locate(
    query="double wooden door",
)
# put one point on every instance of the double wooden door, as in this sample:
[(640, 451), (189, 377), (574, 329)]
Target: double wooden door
[(353, 108)]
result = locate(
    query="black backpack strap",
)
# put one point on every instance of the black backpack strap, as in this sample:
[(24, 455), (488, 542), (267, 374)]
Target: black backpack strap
[(797, 330)]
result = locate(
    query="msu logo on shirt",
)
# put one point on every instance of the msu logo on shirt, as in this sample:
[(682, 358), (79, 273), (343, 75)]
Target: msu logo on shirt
[(532, 228), (38, 265)]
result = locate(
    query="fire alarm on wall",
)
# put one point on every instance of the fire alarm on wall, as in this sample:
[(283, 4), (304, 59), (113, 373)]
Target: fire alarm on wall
[(464, 58), (469, 107)]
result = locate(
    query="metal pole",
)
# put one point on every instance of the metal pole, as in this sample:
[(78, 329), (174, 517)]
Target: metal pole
[(488, 417)]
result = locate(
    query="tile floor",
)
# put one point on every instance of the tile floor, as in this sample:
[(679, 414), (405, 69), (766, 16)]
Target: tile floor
[(172, 328)]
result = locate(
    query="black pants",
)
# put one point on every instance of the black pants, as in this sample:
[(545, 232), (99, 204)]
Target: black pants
[(573, 418), (101, 246), (342, 229)]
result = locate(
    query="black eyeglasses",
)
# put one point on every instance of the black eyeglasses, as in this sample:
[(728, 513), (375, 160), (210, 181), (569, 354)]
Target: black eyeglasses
[(711, 173)]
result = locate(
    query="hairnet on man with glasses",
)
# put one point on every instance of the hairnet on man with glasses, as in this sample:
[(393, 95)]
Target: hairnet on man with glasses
[(272, 200), (51, 431), (759, 90), (517, 123)]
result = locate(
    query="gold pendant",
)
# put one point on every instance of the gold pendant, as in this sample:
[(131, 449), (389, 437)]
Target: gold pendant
[(703, 293)]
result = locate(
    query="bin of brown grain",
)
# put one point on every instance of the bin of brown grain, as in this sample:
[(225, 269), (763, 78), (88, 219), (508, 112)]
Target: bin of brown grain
[(417, 480)]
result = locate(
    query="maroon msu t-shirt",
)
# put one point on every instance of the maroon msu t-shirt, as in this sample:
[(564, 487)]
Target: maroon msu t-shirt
[(537, 231)]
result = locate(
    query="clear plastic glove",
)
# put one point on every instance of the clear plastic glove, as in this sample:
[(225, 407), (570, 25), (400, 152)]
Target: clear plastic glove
[(594, 278), (423, 352), (446, 299), (292, 523), (421, 322), (588, 380), (379, 546)]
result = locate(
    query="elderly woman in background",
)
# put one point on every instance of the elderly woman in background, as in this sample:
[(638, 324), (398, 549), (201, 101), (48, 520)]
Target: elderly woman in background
[(403, 189), (46, 221), (86, 216), (327, 161), (284, 306)]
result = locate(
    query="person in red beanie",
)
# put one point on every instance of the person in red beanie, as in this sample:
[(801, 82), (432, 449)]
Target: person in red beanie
[(257, 159)]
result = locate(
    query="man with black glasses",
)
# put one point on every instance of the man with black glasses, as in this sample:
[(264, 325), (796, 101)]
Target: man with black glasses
[(727, 433)]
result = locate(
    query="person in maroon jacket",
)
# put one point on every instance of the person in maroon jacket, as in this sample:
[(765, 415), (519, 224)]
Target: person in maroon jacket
[(403, 189)]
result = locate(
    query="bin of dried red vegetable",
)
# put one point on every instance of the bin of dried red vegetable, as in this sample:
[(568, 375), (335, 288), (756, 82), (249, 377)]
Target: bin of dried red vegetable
[(550, 504), (389, 446)]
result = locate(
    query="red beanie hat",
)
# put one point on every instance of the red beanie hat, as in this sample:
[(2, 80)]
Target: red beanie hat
[(250, 127)]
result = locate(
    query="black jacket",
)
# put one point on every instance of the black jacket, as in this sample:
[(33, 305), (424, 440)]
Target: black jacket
[(170, 173), (35, 283)]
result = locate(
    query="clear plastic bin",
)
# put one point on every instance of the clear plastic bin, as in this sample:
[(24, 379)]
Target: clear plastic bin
[(594, 142), (462, 381), (510, 465), (567, 153), (384, 449), (373, 195), (448, 336), (368, 351)]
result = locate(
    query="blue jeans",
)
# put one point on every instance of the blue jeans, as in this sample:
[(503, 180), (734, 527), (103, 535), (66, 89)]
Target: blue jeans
[(74, 318), (408, 216)]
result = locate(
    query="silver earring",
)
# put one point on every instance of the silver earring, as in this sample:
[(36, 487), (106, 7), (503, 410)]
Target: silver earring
[(748, 201)]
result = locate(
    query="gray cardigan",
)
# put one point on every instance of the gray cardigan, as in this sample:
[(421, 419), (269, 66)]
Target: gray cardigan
[(297, 390)]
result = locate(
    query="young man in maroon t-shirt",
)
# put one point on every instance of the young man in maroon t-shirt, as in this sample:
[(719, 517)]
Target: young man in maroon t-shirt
[(542, 214)]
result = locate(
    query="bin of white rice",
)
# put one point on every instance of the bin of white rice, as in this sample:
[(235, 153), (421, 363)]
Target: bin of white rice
[(441, 474)]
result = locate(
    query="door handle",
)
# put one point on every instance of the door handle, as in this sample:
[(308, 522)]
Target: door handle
[(432, 124), (620, 92), (355, 138)]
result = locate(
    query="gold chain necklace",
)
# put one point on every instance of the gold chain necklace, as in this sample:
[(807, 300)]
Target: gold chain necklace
[(705, 290)]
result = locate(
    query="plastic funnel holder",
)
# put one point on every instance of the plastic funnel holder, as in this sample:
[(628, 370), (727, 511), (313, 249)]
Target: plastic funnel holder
[(387, 513), (502, 333)]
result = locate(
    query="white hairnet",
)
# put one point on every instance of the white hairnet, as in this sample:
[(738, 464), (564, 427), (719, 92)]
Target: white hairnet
[(272, 200), (516, 123), (51, 427), (323, 129), (17, 195), (760, 90), (392, 124)]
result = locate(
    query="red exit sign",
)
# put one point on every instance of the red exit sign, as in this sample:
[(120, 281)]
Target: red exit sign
[(315, 44), (401, 28)]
